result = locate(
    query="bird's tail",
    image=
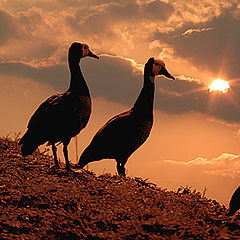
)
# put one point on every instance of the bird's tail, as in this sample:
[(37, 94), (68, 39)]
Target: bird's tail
[(231, 212), (29, 143)]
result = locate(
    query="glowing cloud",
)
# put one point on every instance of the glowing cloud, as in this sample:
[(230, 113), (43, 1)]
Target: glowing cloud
[(190, 31), (224, 165)]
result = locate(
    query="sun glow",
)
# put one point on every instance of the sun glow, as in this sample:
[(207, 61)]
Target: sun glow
[(219, 85)]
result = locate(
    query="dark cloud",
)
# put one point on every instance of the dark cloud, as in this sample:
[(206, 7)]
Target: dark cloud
[(110, 77), (216, 49), (104, 18), (116, 80), (24, 5), (8, 28), (194, 97), (189, 96), (157, 10), (55, 75), (25, 35), (113, 78)]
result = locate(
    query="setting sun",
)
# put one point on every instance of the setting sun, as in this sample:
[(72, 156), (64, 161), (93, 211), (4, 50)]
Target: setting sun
[(219, 85)]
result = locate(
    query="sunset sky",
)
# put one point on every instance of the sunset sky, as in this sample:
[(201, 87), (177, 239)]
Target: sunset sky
[(195, 139)]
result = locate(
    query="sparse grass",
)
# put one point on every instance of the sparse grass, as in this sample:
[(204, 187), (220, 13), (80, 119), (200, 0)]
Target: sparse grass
[(38, 202)]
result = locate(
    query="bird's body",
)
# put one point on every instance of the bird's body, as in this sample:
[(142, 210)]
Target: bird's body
[(234, 203), (126, 132), (61, 116), (118, 138)]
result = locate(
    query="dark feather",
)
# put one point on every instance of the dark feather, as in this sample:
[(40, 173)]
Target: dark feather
[(234, 202), (61, 116), (126, 132)]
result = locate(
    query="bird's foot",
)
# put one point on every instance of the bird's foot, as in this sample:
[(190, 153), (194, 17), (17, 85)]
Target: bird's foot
[(122, 175), (68, 168), (121, 171), (56, 164)]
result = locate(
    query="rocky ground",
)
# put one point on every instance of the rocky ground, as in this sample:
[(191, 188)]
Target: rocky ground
[(39, 202)]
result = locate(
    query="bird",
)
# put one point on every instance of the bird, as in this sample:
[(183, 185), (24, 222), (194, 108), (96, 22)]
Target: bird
[(126, 132), (234, 203), (61, 116)]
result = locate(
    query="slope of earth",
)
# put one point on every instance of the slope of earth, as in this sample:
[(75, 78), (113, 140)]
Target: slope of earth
[(39, 202)]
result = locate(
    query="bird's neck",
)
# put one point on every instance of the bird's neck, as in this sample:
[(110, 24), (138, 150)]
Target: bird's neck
[(144, 103), (78, 84)]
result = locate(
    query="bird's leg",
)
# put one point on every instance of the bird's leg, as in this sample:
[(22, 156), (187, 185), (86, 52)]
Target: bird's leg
[(54, 149), (65, 152), (120, 167)]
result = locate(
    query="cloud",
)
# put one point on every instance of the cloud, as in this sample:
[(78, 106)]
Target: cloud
[(212, 45), (116, 79), (224, 165), (192, 96), (26, 35), (8, 28), (190, 31), (122, 28), (54, 75), (189, 79), (118, 27), (194, 12), (120, 80), (104, 17), (50, 5)]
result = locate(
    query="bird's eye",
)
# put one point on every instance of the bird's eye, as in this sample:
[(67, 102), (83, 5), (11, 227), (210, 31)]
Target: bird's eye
[(156, 64), (85, 47)]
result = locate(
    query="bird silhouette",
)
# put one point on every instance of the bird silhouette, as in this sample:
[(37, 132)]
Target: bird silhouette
[(61, 116), (126, 132), (234, 203)]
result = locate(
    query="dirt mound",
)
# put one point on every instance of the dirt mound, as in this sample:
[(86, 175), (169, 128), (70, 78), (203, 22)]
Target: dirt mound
[(38, 202)]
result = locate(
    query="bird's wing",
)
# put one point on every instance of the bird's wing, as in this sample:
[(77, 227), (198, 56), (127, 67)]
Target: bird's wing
[(115, 132), (119, 137), (109, 138), (114, 124), (48, 110)]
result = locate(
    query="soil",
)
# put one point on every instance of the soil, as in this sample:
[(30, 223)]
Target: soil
[(40, 202)]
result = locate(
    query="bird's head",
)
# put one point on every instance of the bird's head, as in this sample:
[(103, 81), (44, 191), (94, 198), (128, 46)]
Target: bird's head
[(80, 50), (155, 67)]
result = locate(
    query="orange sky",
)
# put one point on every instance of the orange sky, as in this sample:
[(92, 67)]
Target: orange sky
[(195, 138)]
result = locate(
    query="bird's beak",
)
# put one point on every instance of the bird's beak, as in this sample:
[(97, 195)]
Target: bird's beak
[(165, 73), (91, 54)]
